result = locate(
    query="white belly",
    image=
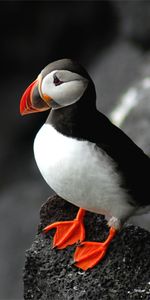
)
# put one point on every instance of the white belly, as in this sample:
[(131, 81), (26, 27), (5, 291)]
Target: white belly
[(80, 173)]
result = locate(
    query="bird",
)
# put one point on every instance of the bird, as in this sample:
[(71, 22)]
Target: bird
[(84, 158)]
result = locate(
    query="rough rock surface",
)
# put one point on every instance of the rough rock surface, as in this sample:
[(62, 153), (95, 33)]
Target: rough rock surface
[(124, 273)]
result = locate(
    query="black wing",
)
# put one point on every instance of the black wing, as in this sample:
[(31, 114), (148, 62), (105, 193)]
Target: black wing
[(131, 161)]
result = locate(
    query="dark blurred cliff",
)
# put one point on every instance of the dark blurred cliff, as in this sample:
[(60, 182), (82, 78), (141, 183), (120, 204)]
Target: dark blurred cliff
[(112, 40)]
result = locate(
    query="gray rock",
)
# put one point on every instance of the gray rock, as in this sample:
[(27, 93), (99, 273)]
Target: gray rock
[(124, 273)]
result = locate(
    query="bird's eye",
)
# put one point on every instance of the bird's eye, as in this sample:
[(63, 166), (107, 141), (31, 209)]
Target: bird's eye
[(57, 81)]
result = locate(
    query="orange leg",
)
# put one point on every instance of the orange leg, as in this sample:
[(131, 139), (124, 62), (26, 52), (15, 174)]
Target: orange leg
[(68, 232), (88, 254)]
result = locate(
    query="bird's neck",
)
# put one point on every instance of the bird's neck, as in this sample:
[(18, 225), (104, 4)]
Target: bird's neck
[(73, 120)]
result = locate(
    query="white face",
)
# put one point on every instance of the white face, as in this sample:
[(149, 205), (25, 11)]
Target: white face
[(64, 87)]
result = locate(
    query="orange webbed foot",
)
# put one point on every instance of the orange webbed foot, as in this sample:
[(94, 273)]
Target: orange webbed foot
[(68, 232), (88, 254)]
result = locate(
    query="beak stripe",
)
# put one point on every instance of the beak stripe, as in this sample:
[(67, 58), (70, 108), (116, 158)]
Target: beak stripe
[(31, 100)]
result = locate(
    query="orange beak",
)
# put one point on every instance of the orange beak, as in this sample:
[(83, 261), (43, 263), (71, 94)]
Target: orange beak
[(32, 101)]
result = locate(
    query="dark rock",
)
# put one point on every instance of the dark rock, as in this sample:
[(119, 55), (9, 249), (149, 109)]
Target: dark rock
[(124, 273)]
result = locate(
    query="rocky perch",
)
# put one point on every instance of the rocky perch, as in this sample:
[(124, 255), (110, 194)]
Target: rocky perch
[(124, 272)]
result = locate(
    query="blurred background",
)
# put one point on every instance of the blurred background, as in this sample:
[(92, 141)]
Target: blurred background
[(112, 40)]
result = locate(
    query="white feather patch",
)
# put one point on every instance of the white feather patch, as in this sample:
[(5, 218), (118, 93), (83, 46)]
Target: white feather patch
[(67, 93), (80, 173)]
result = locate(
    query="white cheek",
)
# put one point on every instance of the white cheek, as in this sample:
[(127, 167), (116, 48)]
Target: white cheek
[(48, 86), (65, 93), (69, 92)]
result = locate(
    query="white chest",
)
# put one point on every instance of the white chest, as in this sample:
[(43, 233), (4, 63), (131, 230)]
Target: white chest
[(79, 172)]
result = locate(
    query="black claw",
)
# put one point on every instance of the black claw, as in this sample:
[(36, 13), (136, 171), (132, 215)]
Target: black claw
[(79, 244), (53, 247), (72, 262)]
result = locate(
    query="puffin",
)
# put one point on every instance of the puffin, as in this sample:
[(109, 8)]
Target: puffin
[(85, 158)]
